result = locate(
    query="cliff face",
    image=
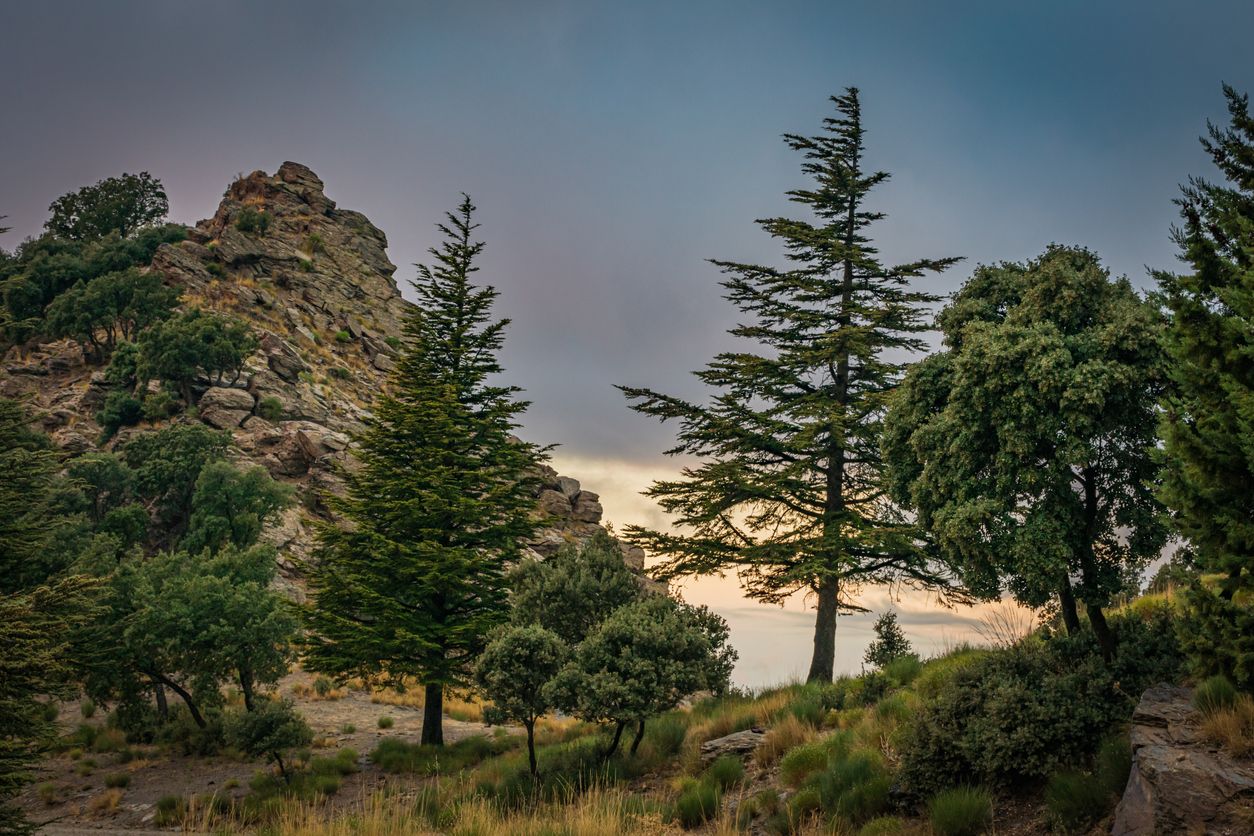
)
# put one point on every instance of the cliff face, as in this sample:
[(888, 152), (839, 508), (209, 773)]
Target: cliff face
[(315, 283)]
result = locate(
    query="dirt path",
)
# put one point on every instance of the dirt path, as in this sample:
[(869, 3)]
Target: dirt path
[(71, 794)]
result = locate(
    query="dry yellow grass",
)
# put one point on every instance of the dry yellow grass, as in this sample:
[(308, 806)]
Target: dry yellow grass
[(784, 735), (106, 802), (459, 707), (1232, 728), (601, 813)]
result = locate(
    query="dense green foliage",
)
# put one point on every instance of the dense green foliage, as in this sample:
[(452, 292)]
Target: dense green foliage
[(44, 268), (195, 343), (788, 486), (1208, 418), (1025, 445), (416, 579), (575, 590), (112, 307), (514, 672), (116, 205), (1036, 707), (230, 506), (641, 661)]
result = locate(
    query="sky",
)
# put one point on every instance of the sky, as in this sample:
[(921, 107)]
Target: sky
[(613, 147)]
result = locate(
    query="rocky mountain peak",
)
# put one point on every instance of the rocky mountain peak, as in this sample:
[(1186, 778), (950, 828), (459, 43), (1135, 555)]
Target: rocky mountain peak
[(315, 284)]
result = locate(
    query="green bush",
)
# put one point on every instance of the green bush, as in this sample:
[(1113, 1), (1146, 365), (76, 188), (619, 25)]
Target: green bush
[(216, 270), (725, 772), (50, 711), (903, 670), (339, 372), (343, 337), (323, 686), (809, 709), (87, 708), (394, 342), (158, 405), (855, 788), (120, 409), (386, 722), (697, 803), (1029, 710), (249, 220), (270, 408), (1075, 800), (801, 762), (1214, 694), (314, 243), (961, 811), (118, 780)]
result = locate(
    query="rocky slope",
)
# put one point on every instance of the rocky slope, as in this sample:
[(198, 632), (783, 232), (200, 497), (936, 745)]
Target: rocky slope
[(316, 285)]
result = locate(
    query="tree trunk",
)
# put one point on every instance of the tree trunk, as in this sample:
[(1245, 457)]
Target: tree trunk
[(183, 695), (163, 709), (1070, 615), (635, 744), (282, 769), (823, 662), (246, 687), (1105, 638), (433, 716), (618, 735), (531, 745)]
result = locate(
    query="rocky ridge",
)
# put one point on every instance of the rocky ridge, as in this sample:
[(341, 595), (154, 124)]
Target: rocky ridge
[(316, 285)]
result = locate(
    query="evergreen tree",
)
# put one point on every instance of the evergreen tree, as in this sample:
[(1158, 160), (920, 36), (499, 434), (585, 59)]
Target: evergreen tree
[(1208, 418), (890, 642), (415, 579), (1025, 446), (788, 489)]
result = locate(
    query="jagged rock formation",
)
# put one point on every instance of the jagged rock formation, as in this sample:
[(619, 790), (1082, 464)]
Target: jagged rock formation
[(1180, 783), (316, 285)]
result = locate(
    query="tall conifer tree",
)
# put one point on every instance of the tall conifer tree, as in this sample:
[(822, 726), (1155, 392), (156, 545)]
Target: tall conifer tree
[(788, 489), (413, 578), (1208, 422)]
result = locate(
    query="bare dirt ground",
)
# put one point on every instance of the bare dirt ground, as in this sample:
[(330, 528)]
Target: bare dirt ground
[(70, 794)]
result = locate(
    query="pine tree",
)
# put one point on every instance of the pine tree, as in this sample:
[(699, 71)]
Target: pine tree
[(1208, 421), (416, 578), (788, 489)]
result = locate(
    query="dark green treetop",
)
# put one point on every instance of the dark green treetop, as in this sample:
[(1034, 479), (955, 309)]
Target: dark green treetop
[(787, 488), (1208, 409), (414, 579)]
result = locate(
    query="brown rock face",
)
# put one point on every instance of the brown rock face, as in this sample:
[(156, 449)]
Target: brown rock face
[(315, 284), (1179, 784)]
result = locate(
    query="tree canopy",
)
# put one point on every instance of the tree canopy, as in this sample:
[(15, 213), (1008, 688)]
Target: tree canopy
[(122, 205), (1025, 446), (788, 489)]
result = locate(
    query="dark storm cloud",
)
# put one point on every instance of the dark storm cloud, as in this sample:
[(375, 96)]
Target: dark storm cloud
[(613, 147)]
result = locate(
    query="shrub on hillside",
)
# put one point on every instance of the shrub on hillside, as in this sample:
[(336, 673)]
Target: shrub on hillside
[(1214, 694), (1032, 709), (961, 811), (1075, 800)]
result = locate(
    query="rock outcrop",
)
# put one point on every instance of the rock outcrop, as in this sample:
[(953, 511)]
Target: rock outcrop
[(1179, 783), (315, 284)]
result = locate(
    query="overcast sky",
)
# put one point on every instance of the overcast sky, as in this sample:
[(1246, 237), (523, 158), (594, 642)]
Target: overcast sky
[(613, 147)]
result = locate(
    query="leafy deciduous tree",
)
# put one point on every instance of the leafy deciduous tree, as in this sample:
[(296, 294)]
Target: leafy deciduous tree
[(123, 204), (230, 506), (515, 669), (1025, 446)]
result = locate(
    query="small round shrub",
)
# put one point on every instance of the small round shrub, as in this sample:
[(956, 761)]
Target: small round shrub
[(339, 372), (348, 728), (903, 670), (697, 803), (1214, 694), (666, 734), (50, 711), (725, 772), (322, 686), (270, 408), (120, 409), (343, 337), (250, 221), (961, 811), (386, 722), (158, 405), (118, 780)]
